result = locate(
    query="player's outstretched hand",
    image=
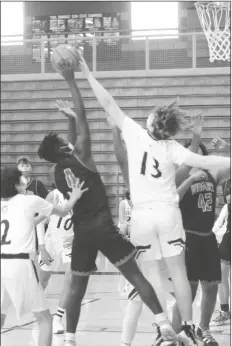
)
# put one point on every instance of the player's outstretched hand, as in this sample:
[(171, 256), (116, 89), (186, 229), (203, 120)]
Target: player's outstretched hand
[(197, 124), (45, 257), (64, 108), (66, 69), (199, 175), (219, 143), (83, 66), (77, 191)]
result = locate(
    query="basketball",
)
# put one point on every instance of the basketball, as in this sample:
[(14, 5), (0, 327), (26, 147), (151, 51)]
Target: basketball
[(65, 51)]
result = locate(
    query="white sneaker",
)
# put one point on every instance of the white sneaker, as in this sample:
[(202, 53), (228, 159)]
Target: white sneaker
[(58, 327), (221, 319), (69, 343), (168, 334), (187, 335)]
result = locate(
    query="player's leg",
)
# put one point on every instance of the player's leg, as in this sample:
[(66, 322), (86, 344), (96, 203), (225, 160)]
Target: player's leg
[(210, 277), (82, 265), (121, 253), (176, 318), (5, 302), (172, 242), (44, 275), (224, 287), (57, 320), (153, 272), (44, 319)]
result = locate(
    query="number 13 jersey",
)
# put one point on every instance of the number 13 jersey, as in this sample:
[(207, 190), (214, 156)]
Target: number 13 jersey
[(152, 165)]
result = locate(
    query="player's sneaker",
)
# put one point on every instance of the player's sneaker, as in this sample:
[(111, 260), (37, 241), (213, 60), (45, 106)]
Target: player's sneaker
[(221, 318), (69, 343), (159, 341), (58, 327), (206, 337), (187, 335)]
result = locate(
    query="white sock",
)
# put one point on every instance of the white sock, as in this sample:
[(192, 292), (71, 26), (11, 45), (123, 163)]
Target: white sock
[(161, 318), (59, 313), (130, 321), (69, 337)]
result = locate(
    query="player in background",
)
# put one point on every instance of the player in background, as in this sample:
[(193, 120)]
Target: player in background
[(93, 225), (34, 186), (225, 244), (124, 223), (20, 286), (156, 216), (198, 191)]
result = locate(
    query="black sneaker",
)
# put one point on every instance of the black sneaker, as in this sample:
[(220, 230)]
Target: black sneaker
[(206, 337), (187, 335)]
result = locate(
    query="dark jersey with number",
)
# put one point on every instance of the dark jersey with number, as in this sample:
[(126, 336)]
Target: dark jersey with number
[(198, 206), (92, 209)]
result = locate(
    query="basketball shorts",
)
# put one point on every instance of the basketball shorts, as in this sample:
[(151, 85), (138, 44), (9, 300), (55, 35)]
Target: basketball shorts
[(59, 250), (159, 225), (98, 234), (202, 258), (20, 287), (225, 248)]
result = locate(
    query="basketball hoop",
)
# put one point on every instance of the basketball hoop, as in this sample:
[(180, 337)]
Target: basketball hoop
[(215, 21)]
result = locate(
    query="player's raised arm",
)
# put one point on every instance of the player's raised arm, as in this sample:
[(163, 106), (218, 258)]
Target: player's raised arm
[(63, 107), (83, 141), (197, 124), (105, 99)]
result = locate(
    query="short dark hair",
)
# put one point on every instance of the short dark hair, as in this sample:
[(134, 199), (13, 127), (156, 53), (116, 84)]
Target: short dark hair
[(23, 159), (10, 176), (201, 146), (49, 149)]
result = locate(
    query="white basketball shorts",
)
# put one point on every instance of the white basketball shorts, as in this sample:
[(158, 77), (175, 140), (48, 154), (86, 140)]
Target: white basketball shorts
[(20, 287), (60, 252), (159, 225)]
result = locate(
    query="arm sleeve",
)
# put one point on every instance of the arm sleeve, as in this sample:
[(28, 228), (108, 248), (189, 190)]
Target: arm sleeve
[(131, 131), (41, 189)]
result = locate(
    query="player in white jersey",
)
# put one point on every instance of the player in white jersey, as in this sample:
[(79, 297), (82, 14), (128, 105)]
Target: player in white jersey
[(153, 157), (124, 223), (19, 281), (58, 243)]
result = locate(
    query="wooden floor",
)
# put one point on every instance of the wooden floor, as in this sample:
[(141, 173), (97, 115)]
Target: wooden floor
[(101, 318)]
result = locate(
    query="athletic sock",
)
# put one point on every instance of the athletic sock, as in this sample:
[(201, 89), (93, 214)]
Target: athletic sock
[(60, 312), (69, 337), (225, 307), (161, 318)]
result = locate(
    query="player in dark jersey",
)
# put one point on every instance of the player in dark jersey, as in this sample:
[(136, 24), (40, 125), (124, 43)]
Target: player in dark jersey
[(197, 203), (93, 226), (224, 247)]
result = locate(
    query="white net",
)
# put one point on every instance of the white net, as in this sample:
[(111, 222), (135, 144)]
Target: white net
[(215, 21)]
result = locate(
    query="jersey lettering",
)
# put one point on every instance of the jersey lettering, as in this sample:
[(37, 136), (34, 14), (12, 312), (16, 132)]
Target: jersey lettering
[(70, 178), (67, 225), (157, 173), (205, 202), (6, 225)]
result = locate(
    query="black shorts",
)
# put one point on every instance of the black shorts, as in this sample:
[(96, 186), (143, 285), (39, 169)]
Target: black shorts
[(202, 258), (225, 248), (90, 238)]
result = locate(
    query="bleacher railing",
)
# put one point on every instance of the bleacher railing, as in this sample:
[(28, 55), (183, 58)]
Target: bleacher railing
[(144, 52)]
